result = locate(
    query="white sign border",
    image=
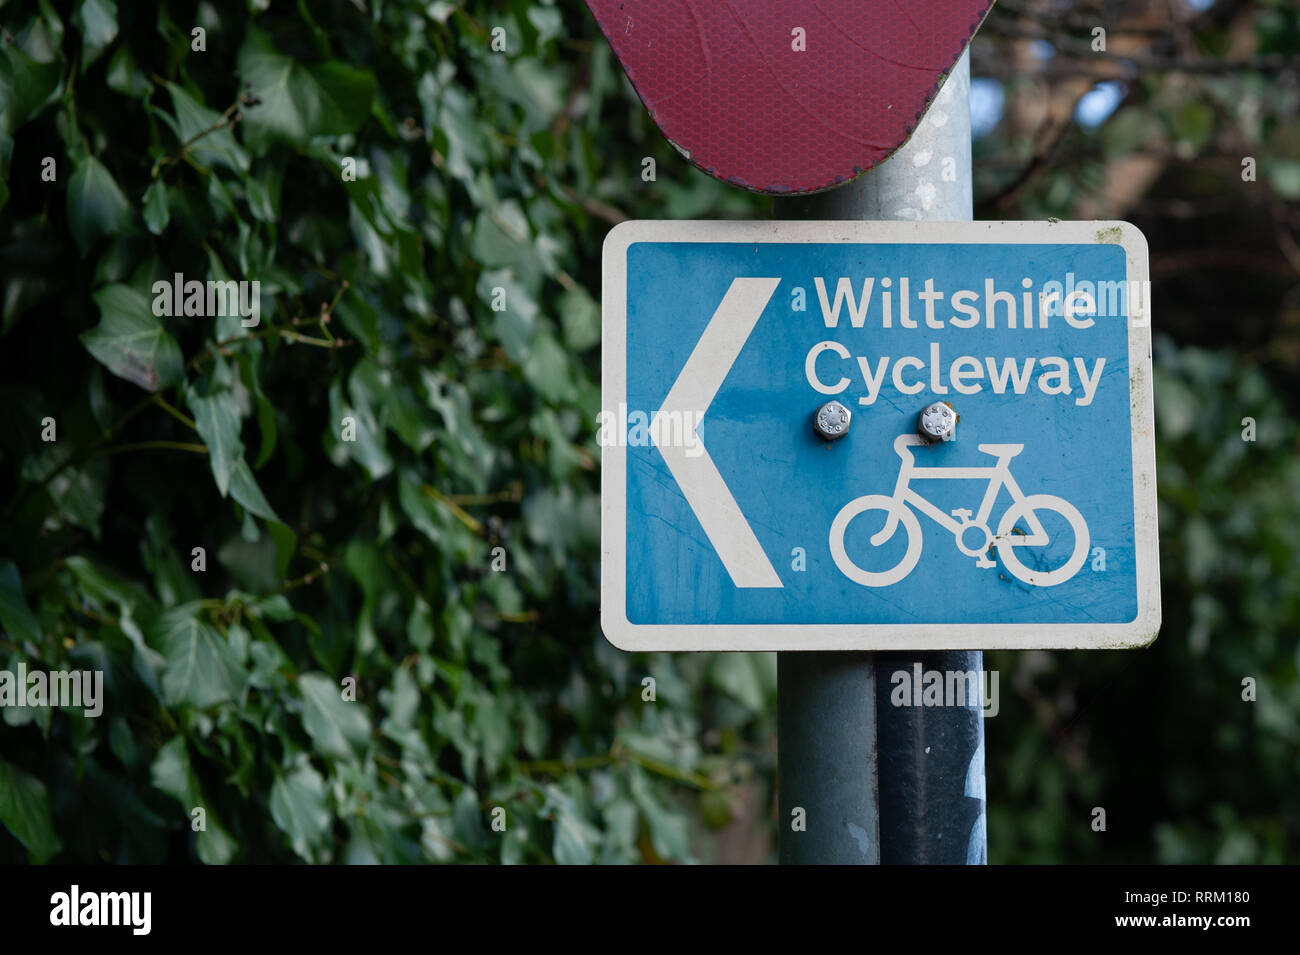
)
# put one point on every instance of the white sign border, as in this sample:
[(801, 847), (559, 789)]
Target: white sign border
[(622, 633)]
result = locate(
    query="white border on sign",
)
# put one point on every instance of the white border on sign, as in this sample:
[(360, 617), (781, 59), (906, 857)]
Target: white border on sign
[(626, 635)]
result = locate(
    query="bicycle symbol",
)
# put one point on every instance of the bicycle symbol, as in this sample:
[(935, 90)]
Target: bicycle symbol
[(1009, 537)]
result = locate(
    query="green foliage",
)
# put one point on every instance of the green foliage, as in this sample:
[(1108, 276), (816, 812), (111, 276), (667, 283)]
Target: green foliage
[(25, 812), (348, 679), (129, 341)]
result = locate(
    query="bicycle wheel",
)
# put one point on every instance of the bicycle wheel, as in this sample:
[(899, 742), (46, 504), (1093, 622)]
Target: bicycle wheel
[(1006, 542), (868, 578)]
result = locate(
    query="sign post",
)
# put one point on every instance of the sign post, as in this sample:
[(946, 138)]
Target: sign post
[(902, 784), (875, 437)]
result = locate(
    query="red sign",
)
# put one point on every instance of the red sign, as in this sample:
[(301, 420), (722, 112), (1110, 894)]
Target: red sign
[(788, 96)]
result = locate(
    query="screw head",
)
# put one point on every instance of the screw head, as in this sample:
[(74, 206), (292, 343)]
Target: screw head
[(832, 420), (937, 422)]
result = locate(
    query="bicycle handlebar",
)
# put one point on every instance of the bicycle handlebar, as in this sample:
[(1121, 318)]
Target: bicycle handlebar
[(903, 442)]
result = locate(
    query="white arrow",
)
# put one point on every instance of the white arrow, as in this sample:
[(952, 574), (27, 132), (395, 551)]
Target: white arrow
[(689, 399)]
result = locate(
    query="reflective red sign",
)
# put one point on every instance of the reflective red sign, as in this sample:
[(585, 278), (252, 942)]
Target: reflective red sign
[(788, 96)]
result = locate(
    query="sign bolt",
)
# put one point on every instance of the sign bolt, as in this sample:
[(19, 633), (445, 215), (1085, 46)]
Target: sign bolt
[(937, 422), (832, 420)]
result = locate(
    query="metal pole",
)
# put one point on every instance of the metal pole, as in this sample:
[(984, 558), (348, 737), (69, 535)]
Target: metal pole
[(879, 783), (826, 752)]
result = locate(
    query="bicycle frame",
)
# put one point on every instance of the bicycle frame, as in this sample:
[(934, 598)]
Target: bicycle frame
[(999, 476)]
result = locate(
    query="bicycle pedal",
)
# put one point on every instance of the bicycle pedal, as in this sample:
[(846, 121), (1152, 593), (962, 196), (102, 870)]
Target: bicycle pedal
[(962, 514), (983, 561)]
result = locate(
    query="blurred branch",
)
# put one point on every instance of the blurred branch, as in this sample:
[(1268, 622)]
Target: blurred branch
[(1071, 19), (513, 495), (1171, 264), (430, 491), (228, 119), (617, 754), (108, 434), (1044, 153), (156, 445), (312, 575), (594, 207), (1128, 64), (1286, 242), (1148, 36)]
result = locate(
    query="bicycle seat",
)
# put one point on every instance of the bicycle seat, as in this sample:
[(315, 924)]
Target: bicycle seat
[(1002, 450)]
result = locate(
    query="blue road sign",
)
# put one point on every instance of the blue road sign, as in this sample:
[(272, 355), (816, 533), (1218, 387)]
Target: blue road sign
[(729, 522)]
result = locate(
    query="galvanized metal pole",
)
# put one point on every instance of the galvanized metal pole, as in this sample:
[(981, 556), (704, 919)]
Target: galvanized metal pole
[(876, 782), (826, 755)]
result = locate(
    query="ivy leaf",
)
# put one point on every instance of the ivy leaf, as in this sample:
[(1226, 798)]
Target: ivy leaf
[(202, 669), (125, 77), (1284, 175), (250, 375), (218, 146), (286, 542), (333, 723), (300, 101), (580, 319), (15, 616), (441, 10), (547, 369), (171, 773), (156, 212), (25, 86), (244, 489), (130, 342), (25, 812), (217, 419), (97, 20), (738, 674), (369, 388), (575, 840), (668, 831), (107, 591), (467, 145), (96, 206), (298, 807), (79, 494)]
